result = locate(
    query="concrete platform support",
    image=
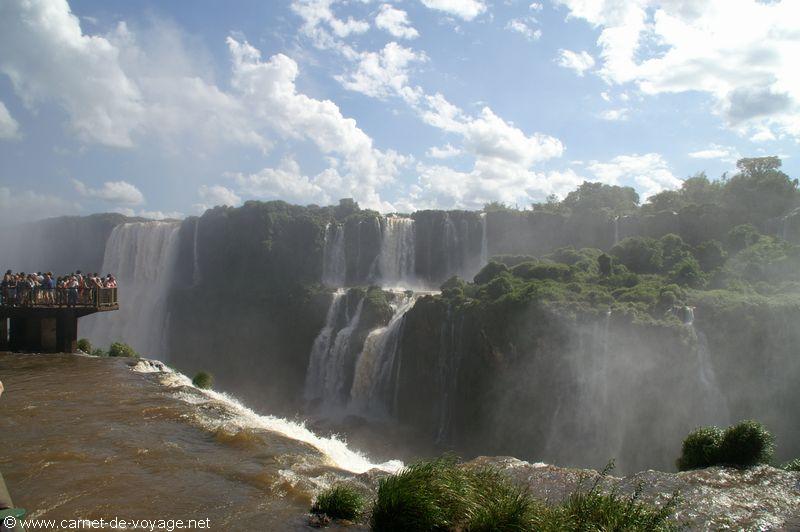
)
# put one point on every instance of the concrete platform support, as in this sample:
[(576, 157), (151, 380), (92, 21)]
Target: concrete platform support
[(3, 334)]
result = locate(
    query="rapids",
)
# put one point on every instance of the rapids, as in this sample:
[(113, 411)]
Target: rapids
[(109, 439)]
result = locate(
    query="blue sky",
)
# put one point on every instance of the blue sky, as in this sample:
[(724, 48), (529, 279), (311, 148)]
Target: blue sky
[(168, 108)]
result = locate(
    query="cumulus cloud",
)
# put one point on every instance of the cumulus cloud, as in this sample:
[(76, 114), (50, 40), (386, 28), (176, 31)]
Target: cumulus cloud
[(741, 52), (615, 115), (649, 172), (524, 28), (463, 9), (49, 59), (322, 26), (445, 152), (716, 151), (218, 195), (395, 21), (9, 128), (120, 192), (18, 206), (383, 73), (580, 62)]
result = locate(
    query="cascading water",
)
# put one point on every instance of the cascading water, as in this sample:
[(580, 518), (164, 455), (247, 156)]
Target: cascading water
[(376, 373), (449, 363), (142, 256), (334, 266), (616, 230), (715, 408), (326, 377), (396, 260), (484, 242), (195, 255)]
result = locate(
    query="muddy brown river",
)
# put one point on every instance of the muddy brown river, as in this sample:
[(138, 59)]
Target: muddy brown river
[(90, 438)]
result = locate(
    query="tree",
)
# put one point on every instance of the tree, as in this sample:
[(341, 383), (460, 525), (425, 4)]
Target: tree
[(710, 255), (760, 190), (640, 255), (604, 265), (600, 197)]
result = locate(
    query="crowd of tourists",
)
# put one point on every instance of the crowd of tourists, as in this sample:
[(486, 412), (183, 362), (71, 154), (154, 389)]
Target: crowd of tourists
[(45, 289)]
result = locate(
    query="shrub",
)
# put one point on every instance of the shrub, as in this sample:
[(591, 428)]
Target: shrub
[(118, 349), (85, 345), (339, 502), (204, 381), (746, 444), (97, 352), (700, 448), (794, 465), (532, 270), (489, 272)]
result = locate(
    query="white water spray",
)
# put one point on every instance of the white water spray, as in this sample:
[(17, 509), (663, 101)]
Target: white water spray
[(334, 266), (142, 257), (396, 260)]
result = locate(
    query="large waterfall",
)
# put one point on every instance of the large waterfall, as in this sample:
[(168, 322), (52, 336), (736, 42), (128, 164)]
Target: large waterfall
[(327, 374), (377, 369), (714, 407), (334, 266), (395, 263), (142, 256)]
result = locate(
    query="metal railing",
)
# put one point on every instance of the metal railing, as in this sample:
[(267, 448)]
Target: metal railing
[(58, 297)]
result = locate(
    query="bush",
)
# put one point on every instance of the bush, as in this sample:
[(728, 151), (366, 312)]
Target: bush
[(700, 448), (118, 349), (339, 502), (746, 444), (489, 272), (442, 495), (97, 352), (794, 465), (85, 345), (204, 380)]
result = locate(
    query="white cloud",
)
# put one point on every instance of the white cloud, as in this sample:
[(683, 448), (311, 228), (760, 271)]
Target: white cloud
[(395, 21), (445, 152), (288, 183), (9, 128), (323, 27), (649, 173), (741, 52), (615, 115), (384, 73), (218, 195), (49, 59), (580, 62), (463, 9), (715, 151), (523, 28), (17, 206), (120, 192), (535, 6)]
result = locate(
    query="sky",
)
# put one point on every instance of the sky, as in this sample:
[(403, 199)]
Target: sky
[(165, 109)]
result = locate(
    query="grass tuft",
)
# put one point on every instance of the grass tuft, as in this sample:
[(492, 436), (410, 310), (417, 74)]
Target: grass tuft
[(203, 380), (339, 502)]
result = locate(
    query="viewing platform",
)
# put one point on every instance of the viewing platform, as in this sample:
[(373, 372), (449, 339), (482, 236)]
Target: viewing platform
[(43, 327)]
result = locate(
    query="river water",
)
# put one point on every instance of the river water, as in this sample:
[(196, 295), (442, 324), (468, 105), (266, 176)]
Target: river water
[(88, 437)]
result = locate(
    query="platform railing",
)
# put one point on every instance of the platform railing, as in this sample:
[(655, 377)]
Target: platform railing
[(58, 297)]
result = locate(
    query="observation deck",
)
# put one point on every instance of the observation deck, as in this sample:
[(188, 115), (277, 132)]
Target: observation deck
[(41, 322)]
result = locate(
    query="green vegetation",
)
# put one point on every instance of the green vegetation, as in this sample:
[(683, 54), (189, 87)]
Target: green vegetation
[(97, 352), (203, 380), (339, 502), (444, 495), (119, 349), (793, 465), (85, 345), (745, 444)]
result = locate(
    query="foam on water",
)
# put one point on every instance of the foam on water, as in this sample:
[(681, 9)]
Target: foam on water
[(333, 448)]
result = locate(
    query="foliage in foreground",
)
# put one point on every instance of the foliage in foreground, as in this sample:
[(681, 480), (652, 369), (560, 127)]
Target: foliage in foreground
[(443, 495), (85, 345), (339, 502), (119, 349), (793, 465), (745, 444), (203, 380)]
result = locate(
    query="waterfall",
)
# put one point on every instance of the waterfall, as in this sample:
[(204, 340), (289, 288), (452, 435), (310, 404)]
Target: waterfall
[(449, 364), (715, 408), (326, 377), (396, 260), (484, 242), (195, 256), (334, 267), (377, 370), (142, 256), (616, 230)]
